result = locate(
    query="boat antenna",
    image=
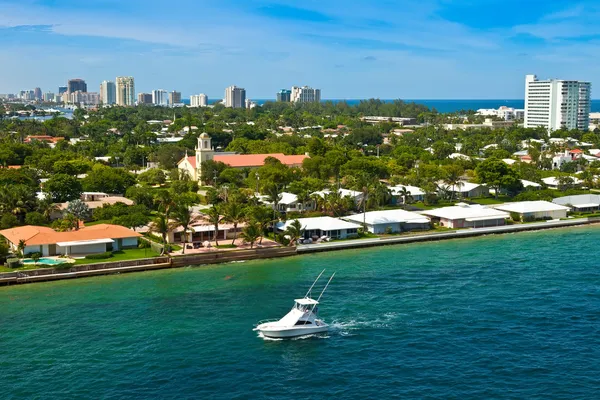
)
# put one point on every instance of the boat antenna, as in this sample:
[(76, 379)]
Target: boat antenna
[(307, 293), (325, 288)]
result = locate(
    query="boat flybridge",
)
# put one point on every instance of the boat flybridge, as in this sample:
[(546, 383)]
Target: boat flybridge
[(300, 321)]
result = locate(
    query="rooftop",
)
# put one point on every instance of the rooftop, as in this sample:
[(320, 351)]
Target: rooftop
[(321, 223), (38, 235), (388, 217), (473, 212), (523, 207), (251, 160)]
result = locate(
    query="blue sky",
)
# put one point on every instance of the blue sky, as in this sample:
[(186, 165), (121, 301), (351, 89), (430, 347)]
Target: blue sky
[(412, 49)]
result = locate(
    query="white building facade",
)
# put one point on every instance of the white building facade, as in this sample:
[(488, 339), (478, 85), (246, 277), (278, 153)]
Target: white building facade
[(199, 100), (125, 87), (305, 94), (555, 104), (235, 97), (160, 97), (108, 92)]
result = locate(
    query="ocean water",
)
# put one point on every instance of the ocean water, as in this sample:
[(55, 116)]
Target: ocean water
[(499, 317)]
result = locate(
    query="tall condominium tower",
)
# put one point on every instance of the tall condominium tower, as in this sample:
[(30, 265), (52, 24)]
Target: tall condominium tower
[(125, 91), (284, 95), (144, 98), (108, 92), (305, 94), (76, 85), (199, 100), (174, 97), (159, 97), (37, 93), (235, 97), (555, 104)]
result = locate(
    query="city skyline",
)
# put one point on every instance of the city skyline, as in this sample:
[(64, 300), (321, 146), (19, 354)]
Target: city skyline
[(423, 50)]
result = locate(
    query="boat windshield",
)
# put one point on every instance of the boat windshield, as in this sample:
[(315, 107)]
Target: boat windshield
[(302, 307)]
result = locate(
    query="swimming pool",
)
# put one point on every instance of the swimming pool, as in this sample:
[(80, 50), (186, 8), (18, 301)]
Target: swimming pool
[(45, 261)]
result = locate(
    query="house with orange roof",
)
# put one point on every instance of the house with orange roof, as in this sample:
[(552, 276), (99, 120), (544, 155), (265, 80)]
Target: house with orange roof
[(51, 140), (192, 165), (87, 240)]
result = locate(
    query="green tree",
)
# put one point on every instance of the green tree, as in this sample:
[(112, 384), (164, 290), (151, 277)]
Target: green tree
[(153, 176), (251, 233), (62, 188), (234, 214), (263, 216), (184, 216), (8, 221), (35, 218), (497, 174), (295, 231), (79, 210), (161, 225), (215, 218)]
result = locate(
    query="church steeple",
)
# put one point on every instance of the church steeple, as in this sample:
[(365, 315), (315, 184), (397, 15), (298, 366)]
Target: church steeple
[(204, 150)]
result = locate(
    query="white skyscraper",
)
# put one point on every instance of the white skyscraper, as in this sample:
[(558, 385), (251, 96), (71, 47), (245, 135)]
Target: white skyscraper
[(305, 94), (555, 104), (108, 92), (160, 97), (125, 88), (235, 97), (199, 100)]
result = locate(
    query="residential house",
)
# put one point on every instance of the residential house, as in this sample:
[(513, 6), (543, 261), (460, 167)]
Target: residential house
[(416, 193), (581, 203), (353, 194), (553, 182), (391, 221), (87, 240), (467, 216), (465, 189), (289, 203), (534, 210), (318, 227)]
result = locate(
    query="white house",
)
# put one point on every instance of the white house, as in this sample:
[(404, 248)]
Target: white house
[(467, 216), (353, 194), (582, 202), (466, 189), (289, 203), (87, 240), (391, 221), (532, 210), (553, 183), (416, 193), (323, 226), (530, 184)]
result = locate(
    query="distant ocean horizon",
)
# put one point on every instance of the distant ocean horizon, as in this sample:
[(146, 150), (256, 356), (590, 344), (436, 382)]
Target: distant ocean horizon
[(445, 106)]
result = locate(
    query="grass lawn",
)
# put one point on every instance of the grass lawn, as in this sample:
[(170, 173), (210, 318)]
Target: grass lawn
[(122, 255), (227, 246), (23, 268)]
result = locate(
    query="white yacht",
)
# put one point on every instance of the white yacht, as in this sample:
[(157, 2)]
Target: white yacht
[(300, 321)]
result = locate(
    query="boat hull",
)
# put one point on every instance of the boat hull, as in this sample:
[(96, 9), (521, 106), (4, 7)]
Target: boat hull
[(283, 333)]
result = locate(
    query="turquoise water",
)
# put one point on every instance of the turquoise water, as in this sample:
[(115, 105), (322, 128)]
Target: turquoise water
[(499, 317), (46, 261)]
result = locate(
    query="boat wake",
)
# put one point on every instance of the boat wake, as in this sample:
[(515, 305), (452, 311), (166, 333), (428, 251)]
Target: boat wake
[(349, 328)]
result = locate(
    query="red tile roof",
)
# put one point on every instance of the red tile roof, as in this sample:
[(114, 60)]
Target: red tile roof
[(37, 235), (252, 160), (575, 151)]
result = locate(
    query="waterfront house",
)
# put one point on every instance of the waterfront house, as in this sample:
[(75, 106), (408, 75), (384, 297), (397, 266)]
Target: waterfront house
[(534, 210), (315, 228), (416, 193), (464, 189), (581, 203), (391, 221), (467, 216), (87, 240), (553, 182), (289, 203)]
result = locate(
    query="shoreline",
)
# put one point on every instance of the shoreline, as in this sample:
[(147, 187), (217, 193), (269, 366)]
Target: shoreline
[(90, 270)]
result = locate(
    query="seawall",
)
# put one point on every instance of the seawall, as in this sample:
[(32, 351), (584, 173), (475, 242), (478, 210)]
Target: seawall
[(89, 270)]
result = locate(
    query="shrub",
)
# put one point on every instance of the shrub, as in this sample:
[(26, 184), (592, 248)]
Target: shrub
[(13, 263), (144, 244), (99, 256), (63, 265), (515, 216)]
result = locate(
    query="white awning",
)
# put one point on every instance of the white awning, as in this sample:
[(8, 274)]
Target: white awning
[(84, 242), (486, 218), (208, 228)]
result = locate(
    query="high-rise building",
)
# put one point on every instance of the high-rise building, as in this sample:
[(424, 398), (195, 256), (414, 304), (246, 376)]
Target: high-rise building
[(159, 97), (144, 98), (199, 100), (284, 95), (48, 97), (125, 87), (79, 97), (235, 97), (174, 97), (305, 94), (37, 93), (76, 85), (62, 89), (556, 104), (108, 92)]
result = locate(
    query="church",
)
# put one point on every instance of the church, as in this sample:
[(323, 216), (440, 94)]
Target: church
[(204, 152)]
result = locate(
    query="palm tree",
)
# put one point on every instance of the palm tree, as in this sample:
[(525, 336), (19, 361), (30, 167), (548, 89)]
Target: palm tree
[(47, 208), (165, 202), (452, 179), (21, 247), (406, 195), (161, 225), (234, 214), (251, 233), (214, 217), (184, 217), (273, 197), (262, 216), (295, 231), (303, 198)]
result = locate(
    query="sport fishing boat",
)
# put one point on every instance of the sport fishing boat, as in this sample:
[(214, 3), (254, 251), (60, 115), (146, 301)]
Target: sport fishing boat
[(300, 321)]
